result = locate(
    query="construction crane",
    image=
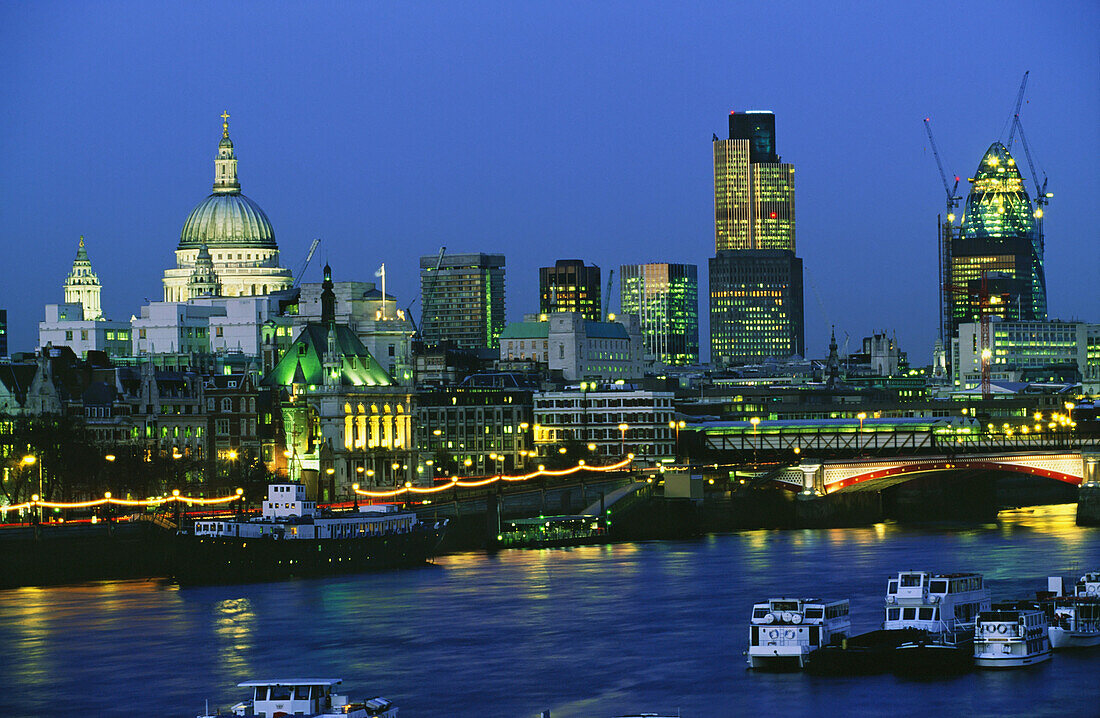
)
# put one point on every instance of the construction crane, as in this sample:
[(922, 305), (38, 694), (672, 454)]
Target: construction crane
[(309, 255), (984, 315), (952, 197), (607, 295), (946, 231), (1015, 121), (427, 295)]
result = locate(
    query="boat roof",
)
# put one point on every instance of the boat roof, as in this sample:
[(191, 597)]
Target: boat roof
[(292, 682)]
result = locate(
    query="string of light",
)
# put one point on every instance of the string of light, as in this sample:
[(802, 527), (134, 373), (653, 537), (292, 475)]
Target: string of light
[(157, 501), (408, 488)]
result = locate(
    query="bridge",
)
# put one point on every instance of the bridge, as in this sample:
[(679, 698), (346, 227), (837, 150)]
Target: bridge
[(821, 458), (874, 473)]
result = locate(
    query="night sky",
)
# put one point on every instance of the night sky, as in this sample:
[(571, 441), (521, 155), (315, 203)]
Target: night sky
[(539, 130)]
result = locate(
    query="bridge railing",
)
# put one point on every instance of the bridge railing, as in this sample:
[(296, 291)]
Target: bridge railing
[(829, 444)]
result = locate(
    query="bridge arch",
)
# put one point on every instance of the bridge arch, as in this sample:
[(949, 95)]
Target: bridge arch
[(837, 477)]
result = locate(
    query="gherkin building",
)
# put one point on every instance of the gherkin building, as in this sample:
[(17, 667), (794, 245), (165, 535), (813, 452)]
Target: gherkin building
[(1000, 240)]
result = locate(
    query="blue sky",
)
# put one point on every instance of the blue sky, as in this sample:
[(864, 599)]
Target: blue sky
[(540, 130)]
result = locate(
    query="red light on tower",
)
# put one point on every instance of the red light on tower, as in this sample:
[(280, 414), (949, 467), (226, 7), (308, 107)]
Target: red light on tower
[(774, 215)]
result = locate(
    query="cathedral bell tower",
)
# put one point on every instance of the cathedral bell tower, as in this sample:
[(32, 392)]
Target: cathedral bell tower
[(82, 285), (225, 166), (204, 279)]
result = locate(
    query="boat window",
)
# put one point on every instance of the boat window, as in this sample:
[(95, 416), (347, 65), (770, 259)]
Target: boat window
[(909, 614), (910, 580), (938, 587), (754, 636), (892, 587), (815, 612), (926, 614), (892, 614), (785, 605), (759, 612), (260, 693), (280, 693), (301, 693)]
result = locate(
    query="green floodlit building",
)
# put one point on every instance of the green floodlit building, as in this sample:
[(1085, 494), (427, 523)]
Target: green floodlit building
[(344, 418), (665, 298), (1000, 237)]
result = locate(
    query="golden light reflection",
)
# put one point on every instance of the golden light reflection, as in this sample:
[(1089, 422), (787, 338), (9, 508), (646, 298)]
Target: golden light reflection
[(234, 623)]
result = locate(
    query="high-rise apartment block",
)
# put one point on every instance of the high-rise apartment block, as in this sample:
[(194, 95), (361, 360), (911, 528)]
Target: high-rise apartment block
[(665, 297), (755, 306), (570, 286), (755, 278), (996, 251), (463, 299)]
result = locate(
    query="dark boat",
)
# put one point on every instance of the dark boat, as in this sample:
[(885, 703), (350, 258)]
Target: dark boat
[(865, 654), (295, 539)]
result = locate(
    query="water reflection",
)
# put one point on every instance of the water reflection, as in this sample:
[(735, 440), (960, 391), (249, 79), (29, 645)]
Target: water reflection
[(590, 631)]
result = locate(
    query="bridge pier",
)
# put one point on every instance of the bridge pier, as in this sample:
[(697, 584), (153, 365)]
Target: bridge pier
[(1088, 497)]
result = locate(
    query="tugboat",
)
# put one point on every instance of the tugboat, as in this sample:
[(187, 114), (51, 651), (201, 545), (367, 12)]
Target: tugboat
[(1074, 618), (946, 607), (1011, 635), (293, 537), (307, 697), (785, 630)]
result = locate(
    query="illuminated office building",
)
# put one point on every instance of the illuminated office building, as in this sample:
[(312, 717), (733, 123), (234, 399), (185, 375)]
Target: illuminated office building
[(463, 299), (753, 190), (665, 298), (755, 306), (3, 332), (570, 286), (1001, 238), (755, 277)]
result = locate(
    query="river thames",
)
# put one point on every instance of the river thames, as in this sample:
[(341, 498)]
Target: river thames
[(586, 632)]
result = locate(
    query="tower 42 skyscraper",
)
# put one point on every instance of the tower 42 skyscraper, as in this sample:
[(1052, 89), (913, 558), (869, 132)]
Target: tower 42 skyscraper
[(755, 277)]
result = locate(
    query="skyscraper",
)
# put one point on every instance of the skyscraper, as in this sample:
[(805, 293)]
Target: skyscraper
[(755, 306), (463, 299), (753, 190), (1000, 240), (755, 278), (665, 297), (569, 286), (3, 332)]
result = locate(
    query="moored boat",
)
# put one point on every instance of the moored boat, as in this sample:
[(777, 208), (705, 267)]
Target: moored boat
[(293, 537), (945, 607), (1074, 615), (306, 697), (784, 631), (1011, 635)]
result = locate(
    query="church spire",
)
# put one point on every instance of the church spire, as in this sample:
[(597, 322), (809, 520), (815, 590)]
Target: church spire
[(225, 166), (328, 298)]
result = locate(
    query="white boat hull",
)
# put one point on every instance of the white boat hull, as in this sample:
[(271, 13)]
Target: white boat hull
[(1066, 638), (1009, 661), (777, 658)]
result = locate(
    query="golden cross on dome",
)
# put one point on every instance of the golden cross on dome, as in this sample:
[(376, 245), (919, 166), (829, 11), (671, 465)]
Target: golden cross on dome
[(225, 123)]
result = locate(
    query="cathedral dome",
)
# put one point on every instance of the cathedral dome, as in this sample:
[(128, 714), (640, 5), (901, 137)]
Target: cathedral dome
[(227, 220)]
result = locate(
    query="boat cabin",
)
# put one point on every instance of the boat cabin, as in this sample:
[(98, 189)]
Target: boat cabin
[(307, 697), (286, 501), (788, 629), (935, 602)]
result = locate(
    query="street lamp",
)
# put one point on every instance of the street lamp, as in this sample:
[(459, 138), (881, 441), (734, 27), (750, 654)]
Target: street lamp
[(861, 416), (622, 444), (755, 421), (31, 460)]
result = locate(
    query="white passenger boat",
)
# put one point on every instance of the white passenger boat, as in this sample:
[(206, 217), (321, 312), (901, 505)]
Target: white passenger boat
[(306, 697), (944, 606), (1074, 614), (1011, 636), (785, 630)]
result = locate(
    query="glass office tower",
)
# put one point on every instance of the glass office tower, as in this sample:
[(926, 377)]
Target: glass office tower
[(665, 297), (463, 299), (570, 286)]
